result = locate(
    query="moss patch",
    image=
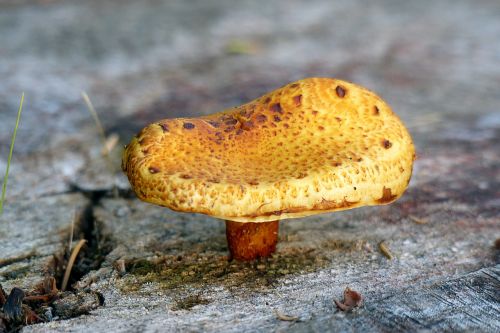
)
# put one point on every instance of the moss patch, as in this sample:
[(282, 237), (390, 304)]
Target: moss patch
[(202, 268)]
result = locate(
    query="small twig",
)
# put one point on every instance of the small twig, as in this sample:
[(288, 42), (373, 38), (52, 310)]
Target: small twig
[(284, 317), (6, 177), (417, 219), (71, 262), (102, 134), (40, 298), (385, 250)]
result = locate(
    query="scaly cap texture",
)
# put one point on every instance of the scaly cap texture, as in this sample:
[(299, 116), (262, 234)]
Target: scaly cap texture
[(316, 145)]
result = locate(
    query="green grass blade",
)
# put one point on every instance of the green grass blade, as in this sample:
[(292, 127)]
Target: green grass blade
[(4, 186)]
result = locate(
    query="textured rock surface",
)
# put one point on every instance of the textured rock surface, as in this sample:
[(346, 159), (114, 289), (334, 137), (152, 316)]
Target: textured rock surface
[(31, 232), (436, 63)]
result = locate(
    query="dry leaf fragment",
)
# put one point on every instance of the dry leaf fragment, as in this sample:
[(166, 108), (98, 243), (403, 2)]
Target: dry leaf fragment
[(30, 316), (119, 266), (12, 308), (46, 291), (352, 299), (46, 286)]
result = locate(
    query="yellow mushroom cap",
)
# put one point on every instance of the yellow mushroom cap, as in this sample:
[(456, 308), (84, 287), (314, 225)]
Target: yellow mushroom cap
[(316, 145)]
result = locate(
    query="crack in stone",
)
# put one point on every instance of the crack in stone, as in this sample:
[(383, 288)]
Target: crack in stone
[(17, 259), (76, 301)]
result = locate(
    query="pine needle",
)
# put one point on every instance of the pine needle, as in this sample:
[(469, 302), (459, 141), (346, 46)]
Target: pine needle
[(71, 262), (9, 159), (102, 134), (94, 115)]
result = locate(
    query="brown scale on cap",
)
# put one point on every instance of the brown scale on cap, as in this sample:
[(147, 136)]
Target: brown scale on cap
[(297, 100), (387, 144), (276, 107), (287, 154), (340, 91)]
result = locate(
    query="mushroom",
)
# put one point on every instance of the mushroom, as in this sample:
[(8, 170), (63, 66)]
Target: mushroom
[(313, 146)]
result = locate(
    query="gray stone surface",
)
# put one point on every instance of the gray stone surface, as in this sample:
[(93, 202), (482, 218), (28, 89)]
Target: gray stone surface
[(31, 232), (173, 259), (435, 62)]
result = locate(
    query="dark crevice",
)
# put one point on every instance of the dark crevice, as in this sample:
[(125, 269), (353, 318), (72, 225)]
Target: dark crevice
[(48, 294), (93, 253), (95, 196)]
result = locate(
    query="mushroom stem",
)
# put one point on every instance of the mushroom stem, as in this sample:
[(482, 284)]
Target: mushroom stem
[(249, 241)]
